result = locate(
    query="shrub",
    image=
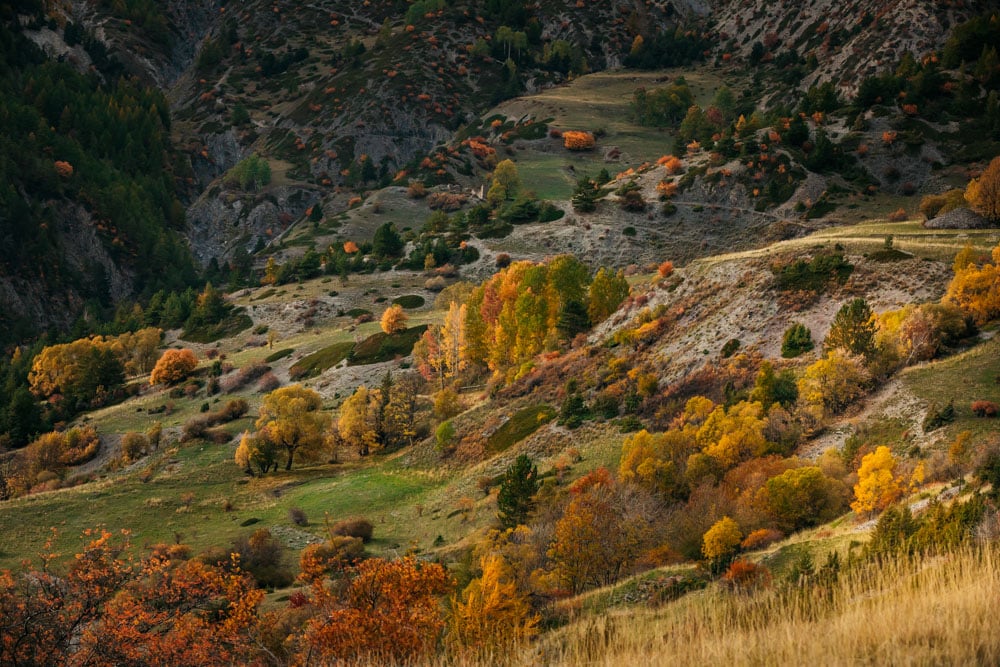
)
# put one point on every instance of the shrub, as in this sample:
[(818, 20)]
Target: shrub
[(360, 528), (984, 408), (447, 404), (666, 269), (797, 340), (744, 576), (575, 140), (435, 284), (503, 260), (298, 516), (899, 215), (194, 429), (245, 376), (761, 538), (268, 383), (444, 434), (416, 190), (133, 446), (729, 349), (934, 205), (260, 555), (937, 417)]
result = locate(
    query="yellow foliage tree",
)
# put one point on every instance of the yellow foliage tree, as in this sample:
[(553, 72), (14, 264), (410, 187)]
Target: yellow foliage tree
[(492, 617), (832, 383), (355, 424), (721, 541), (877, 486), (394, 319), (975, 289), (734, 435), (983, 193), (292, 418)]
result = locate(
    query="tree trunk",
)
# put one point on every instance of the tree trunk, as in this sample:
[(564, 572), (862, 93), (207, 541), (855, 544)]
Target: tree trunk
[(288, 463)]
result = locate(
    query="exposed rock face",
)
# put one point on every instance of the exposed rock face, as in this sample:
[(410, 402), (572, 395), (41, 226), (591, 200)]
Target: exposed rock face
[(221, 222), (959, 218), (848, 37), (29, 297)]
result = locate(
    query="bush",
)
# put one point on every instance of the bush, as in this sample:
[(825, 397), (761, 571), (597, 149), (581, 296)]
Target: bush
[(444, 434), (133, 446), (409, 301), (575, 140), (268, 383), (298, 516), (938, 417), (934, 205), (245, 376), (761, 538), (260, 555), (899, 215), (360, 528), (984, 408), (796, 341), (435, 284)]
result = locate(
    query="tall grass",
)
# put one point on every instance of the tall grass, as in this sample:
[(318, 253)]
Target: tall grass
[(939, 610)]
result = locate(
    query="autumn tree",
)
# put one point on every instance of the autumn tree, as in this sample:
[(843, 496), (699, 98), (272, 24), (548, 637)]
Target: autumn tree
[(603, 530), (493, 616), (983, 193), (832, 383), (256, 451), (853, 329), (657, 461), (394, 319), (514, 315), (454, 356), (976, 289), (389, 612), (173, 367), (399, 418), (721, 543), (138, 351), (607, 291), (516, 497), (82, 371), (356, 422), (506, 182), (735, 434), (877, 486), (106, 608), (803, 497), (292, 418)]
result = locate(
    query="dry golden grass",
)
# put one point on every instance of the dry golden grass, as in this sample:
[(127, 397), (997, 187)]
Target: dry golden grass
[(933, 611)]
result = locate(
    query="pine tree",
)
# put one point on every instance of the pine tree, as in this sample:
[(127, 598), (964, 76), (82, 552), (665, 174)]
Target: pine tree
[(518, 487)]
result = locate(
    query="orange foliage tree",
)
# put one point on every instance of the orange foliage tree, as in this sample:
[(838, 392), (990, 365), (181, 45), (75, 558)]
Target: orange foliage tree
[(107, 609), (602, 532), (976, 289), (983, 193), (173, 367), (389, 613)]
